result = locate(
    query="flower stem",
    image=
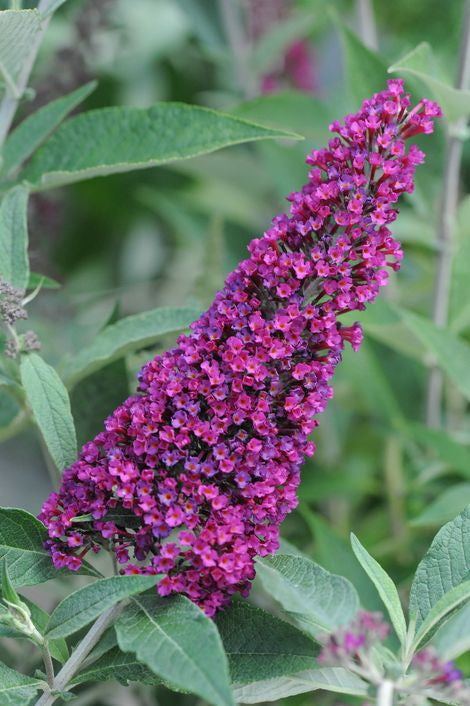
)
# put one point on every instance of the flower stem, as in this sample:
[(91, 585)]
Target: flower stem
[(47, 659), (446, 227), (74, 663), (385, 693)]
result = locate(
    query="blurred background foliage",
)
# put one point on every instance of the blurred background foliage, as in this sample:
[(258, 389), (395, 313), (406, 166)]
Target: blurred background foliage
[(168, 236)]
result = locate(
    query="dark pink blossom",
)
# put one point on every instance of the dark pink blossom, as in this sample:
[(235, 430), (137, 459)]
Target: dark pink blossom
[(206, 457)]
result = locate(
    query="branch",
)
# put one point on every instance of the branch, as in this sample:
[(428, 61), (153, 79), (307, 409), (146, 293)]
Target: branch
[(83, 649), (366, 22), (446, 226)]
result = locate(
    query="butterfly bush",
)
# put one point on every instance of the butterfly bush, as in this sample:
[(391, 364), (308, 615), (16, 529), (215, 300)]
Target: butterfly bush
[(193, 475)]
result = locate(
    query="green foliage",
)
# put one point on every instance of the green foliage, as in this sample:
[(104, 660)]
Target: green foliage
[(366, 70), (114, 664), (452, 639), (114, 140), (451, 352), (14, 266), (126, 335), (50, 405), (260, 646), (21, 544), (174, 638), (444, 566), (29, 134), (18, 29), (451, 600), (335, 679), (17, 689), (420, 62), (317, 601), (454, 498), (79, 608), (384, 585)]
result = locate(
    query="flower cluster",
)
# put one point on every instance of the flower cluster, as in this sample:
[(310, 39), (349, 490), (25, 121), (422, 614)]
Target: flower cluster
[(12, 309), (192, 476), (351, 645), (442, 677), (355, 647)]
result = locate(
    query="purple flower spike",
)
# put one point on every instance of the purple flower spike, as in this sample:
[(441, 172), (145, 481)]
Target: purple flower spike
[(206, 457)]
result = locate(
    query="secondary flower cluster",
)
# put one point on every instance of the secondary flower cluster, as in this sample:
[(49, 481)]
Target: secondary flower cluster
[(193, 475), (354, 647)]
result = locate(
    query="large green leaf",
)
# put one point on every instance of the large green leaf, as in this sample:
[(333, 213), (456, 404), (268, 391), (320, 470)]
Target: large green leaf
[(14, 265), (453, 499), (451, 352), (420, 63), (112, 140), (384, 585), (22, 539), (445, 565), (456, 597), (115, 664), (18, 29), (50, 404), (452, 639), (174, 638), (318, 601), (81, 607), (16, 689), (334, 679), (30, 133), (128, 334), (260, 646)]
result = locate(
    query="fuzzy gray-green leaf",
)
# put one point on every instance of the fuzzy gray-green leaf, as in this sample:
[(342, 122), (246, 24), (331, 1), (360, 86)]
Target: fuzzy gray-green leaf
[(50, 405)]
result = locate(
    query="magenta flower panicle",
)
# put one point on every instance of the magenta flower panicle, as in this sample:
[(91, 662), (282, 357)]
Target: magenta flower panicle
[(205, 459)]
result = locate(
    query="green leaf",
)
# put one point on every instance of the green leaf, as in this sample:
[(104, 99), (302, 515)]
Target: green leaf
[(446, 447), (274, 43), (180, 644), (452, 500), (452, 639), (21, 545), (290, 110), (334, 553), (94, 398), (115, 664), (451, 352), (22, 539), (57, 648), (81, 607), (335, 679), (16, 689), (445, 565), (18, 29), (319, 602), (384, 585), (365, 69), (419, 62), (126, 335), (112, 140), (36, 279), (50, 405), (451, 600), (29, 134), (260, 646), (14, 266), (8, 592)]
